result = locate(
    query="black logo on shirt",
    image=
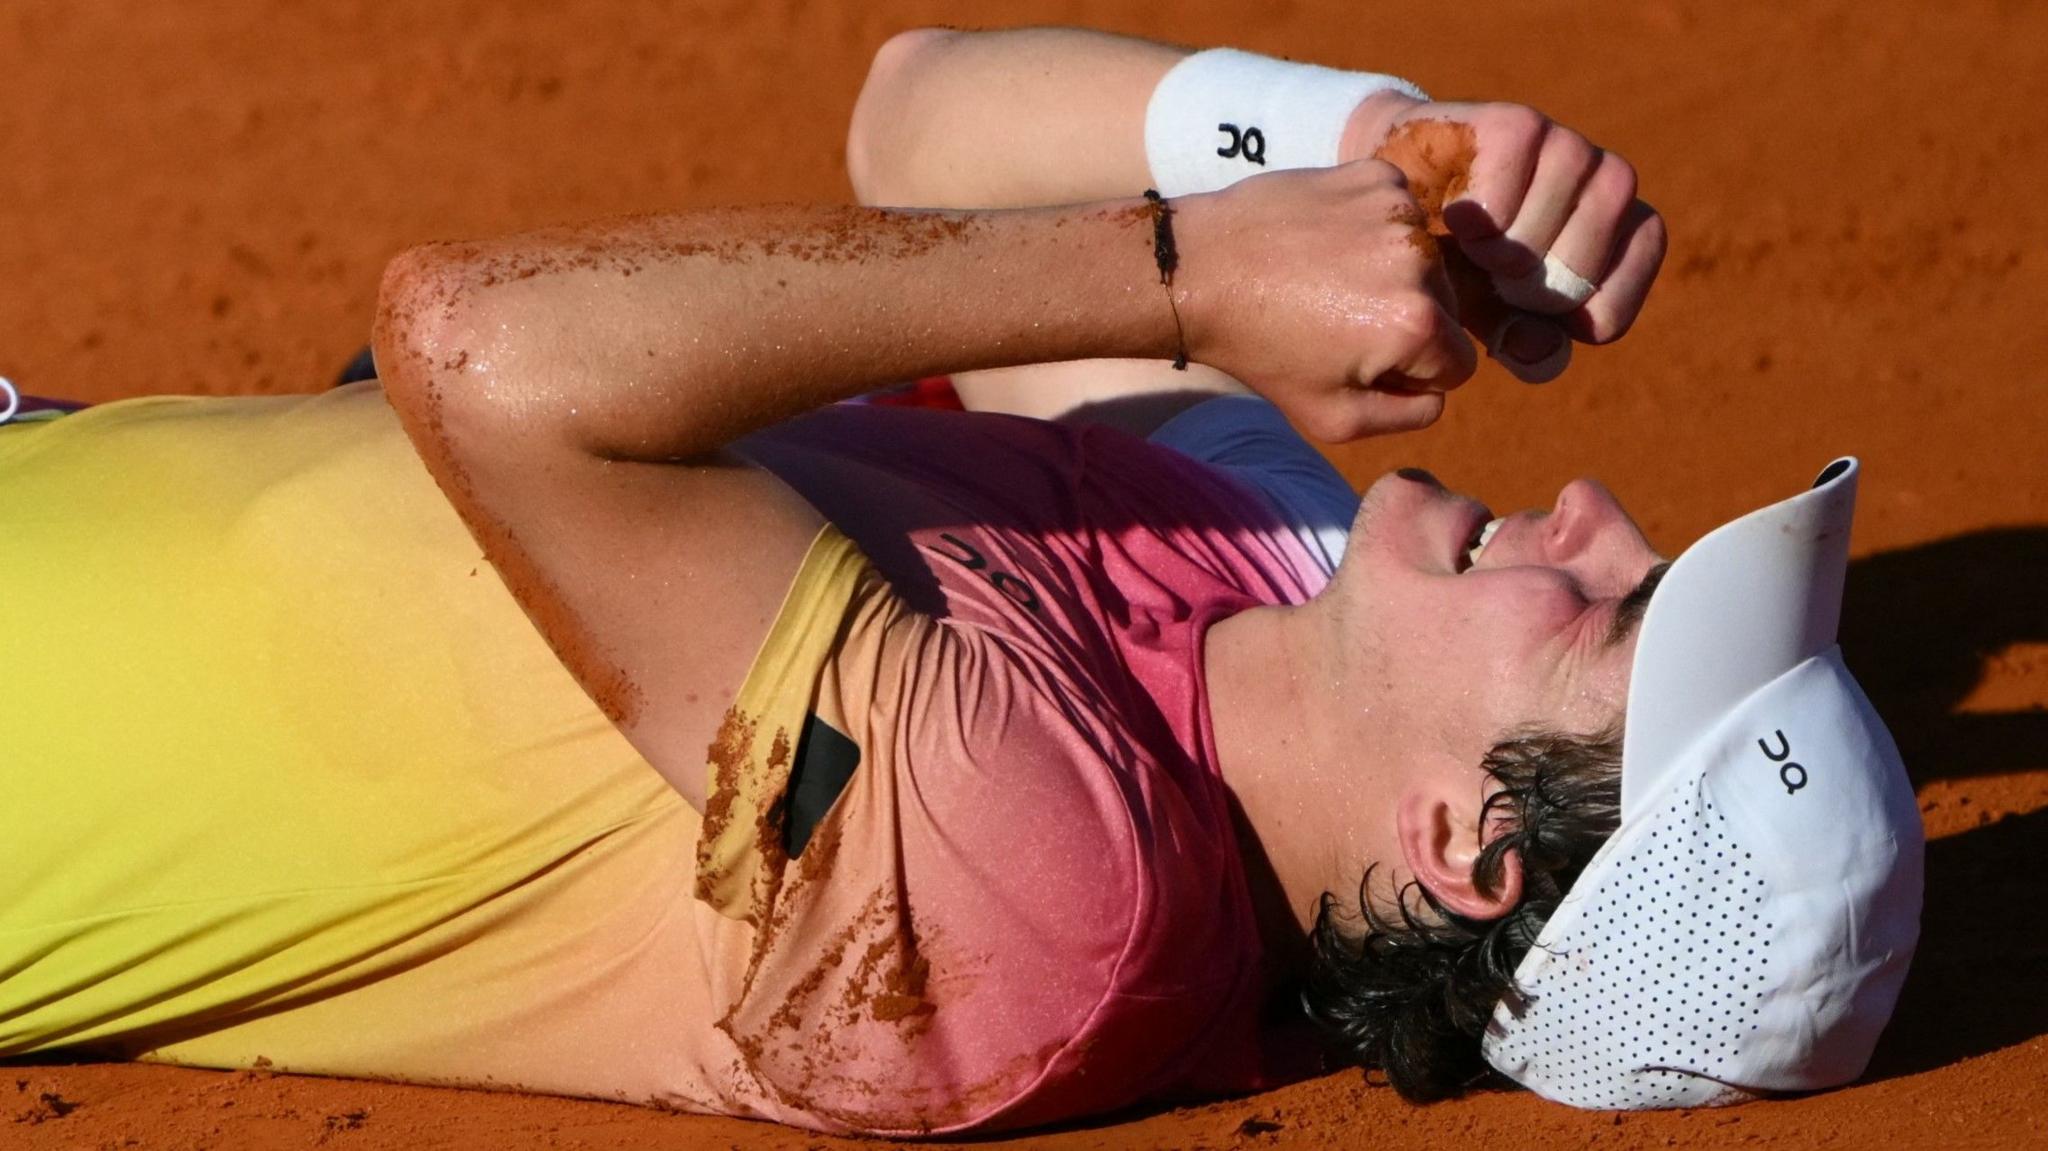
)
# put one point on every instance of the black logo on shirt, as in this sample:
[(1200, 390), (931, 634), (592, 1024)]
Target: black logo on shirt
[(1013, 587)]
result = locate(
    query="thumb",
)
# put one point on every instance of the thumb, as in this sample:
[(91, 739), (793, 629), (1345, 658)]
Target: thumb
[(1431, 354), (1361, 412), (1534, 349)]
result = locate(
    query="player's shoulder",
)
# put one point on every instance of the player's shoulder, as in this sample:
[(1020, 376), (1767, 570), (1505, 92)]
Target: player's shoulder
[(988, 895), (954, 916)]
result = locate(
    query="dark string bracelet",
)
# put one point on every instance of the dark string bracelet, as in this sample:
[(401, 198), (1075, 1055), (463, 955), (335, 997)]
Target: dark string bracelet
[(1168, 258)]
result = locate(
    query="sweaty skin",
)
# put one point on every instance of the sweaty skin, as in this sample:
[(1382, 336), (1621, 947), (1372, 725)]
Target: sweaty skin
[(572, 390)]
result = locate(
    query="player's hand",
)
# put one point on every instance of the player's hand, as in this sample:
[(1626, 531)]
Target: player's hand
[(1526, 193), (1322, 290)]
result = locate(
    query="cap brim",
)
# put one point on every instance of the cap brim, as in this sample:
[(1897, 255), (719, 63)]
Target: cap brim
[(1751, 600)]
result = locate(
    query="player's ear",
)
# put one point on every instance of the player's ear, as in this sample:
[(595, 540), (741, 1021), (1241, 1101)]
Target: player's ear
[(1440, 841)]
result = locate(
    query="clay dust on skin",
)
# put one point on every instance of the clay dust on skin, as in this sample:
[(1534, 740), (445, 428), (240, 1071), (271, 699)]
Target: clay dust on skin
[(1436, 156)]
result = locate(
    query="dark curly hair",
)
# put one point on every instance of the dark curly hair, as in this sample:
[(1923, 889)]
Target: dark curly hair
[(1411, 993)]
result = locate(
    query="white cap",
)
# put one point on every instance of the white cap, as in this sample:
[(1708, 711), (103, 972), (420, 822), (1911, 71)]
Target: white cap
[(1747, 927)]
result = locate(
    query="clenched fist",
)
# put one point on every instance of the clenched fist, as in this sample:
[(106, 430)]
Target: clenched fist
[(1551, 219), (1322, 289)]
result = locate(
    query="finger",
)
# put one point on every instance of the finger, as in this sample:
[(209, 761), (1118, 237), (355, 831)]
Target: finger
[(1371, 412), (1388, 412), (1577, 258), (1423, 322), (1424, 351), (1608, 315), (1479, 307), (1586, 243), (1534, 350), (1566, 162), (1503, 165)]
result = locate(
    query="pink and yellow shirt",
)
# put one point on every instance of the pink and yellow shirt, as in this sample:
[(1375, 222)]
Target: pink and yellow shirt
[(293, 780)]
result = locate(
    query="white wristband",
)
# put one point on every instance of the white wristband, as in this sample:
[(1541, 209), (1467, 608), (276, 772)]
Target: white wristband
[(1222, 115)]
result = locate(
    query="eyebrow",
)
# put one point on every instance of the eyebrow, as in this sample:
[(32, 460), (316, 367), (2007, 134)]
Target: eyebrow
[(1629, 614)]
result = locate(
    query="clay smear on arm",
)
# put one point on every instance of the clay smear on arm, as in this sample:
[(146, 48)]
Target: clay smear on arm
[(414, 296)]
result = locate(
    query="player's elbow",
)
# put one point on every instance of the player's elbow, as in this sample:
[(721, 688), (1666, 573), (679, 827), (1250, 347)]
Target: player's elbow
[(878, 135), (416, 304), (429, 330)]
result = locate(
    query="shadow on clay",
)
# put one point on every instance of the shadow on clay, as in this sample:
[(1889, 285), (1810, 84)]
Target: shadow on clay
[(1919, 626), (1976, 984)]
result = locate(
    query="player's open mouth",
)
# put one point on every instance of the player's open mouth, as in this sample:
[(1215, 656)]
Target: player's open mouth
[(1478, 543)]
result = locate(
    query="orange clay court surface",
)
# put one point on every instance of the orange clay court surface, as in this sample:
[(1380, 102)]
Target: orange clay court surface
[(198, 197)]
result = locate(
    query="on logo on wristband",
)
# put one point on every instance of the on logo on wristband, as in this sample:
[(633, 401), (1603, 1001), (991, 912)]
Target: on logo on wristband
[(1245, 99), (1249, 143)]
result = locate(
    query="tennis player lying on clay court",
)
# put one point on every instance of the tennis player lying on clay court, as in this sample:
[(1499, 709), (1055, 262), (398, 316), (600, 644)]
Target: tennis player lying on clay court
[(1050, 768)]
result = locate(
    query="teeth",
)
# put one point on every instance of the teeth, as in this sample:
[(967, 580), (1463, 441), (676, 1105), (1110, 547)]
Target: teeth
[(1485, 535)]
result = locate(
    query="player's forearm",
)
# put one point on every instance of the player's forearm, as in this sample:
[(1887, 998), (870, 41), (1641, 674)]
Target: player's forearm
[(1011, 118), (664, 338), (1023, 117)]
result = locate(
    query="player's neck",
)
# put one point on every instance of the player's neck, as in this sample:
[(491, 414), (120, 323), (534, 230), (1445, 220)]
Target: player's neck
[(1307, 797)]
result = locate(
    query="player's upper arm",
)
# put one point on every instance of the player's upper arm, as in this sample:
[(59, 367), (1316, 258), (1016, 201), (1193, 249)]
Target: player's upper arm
[(658, 583), (654, 582)]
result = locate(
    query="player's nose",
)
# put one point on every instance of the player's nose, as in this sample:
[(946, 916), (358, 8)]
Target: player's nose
[(1589, 529)]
